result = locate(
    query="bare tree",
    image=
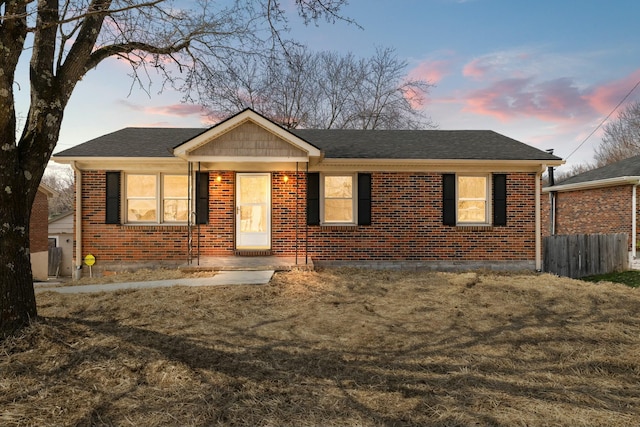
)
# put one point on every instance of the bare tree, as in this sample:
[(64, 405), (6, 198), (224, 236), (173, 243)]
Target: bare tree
[(323, 90), (61, 180), (621, 138), (63, 40)]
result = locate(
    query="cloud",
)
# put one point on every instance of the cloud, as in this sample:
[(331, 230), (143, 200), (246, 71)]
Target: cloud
[(173, 110), (531, 83), (552, 100), (605, 97), (432, 71), (515, 63)]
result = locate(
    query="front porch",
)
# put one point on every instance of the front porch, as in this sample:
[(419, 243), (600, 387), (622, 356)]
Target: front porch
[(248, 263)]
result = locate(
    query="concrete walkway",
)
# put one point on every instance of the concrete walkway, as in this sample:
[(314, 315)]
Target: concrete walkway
[(221, 278)]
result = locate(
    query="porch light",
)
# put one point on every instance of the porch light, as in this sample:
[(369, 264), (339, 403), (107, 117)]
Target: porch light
[(218, 178), (285, 179)]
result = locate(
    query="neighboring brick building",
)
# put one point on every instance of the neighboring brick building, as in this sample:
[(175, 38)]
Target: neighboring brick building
[(602, 200), (39, 233), (415, 199)]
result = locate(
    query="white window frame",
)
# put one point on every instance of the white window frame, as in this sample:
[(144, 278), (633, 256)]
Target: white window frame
[(159, 198), (487, 200), (354, 199)]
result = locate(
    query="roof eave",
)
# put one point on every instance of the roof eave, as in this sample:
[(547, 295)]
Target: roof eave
[(437, 165), (119, 163), (599, 183)]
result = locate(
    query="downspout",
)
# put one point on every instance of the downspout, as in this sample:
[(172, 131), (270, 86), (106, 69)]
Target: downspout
[(538, 222), (634, 225), (77, 272), (552, 212)]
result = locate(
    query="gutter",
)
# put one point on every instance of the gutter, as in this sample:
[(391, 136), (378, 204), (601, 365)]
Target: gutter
[(608, 182), (538, 221), (634, 224), (77, 273)]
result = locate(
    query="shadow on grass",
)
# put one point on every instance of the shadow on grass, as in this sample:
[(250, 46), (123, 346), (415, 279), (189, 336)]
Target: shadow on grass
[(242, 377)]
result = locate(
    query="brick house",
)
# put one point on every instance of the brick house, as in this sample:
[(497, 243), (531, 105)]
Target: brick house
[(39, 233), (602, 200), (246, 186)]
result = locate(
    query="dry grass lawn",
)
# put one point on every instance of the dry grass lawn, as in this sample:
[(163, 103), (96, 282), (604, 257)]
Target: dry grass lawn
[(335, 347)]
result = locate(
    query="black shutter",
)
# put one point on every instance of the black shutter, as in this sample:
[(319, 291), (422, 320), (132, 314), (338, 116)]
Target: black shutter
[(313, 198), (364, 199), (499, 199), (202, 197), (113, 198), (449, 199)]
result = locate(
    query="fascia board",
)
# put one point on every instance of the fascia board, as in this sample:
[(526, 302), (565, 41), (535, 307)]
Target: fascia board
[(600, 183), (121, 163), (433, 165)]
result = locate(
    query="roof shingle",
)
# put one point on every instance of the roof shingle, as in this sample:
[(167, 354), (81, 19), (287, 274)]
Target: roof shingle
[(335, 143)]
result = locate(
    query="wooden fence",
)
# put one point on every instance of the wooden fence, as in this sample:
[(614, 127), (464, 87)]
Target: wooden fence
[(579, 255)]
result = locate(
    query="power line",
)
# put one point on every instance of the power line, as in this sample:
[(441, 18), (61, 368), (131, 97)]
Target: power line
[(604, 120)]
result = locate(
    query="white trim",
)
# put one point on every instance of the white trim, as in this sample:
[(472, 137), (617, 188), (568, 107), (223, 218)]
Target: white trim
[(609, 182), (634, 225), (538, 221), (268, 203), (354, 200), (248, 159), (77, 273), (425, 165), (159, 199), (488, 214)]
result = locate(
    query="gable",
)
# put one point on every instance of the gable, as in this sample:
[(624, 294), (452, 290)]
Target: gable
[(246, 137), (248, 140)]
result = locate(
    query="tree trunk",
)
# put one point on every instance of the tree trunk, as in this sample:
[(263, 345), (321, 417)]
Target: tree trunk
[(17, 297)]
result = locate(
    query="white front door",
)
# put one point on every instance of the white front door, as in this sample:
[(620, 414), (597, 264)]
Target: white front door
[(253, 211)]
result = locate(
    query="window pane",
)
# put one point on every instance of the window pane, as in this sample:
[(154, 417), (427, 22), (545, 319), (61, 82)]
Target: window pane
[(253, 219), (176, 210), (254, 189), (175, 186), (141, 210), (472, 187), (338, 186), (338, 210), (471, 211), (141, 186)]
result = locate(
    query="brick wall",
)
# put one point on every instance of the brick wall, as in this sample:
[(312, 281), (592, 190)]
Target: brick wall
[(406, 224), (39, 224), (598, 210)]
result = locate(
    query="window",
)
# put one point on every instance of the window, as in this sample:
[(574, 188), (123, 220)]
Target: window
[(472, 199), (156, 198), (176, 198), (338, 200)]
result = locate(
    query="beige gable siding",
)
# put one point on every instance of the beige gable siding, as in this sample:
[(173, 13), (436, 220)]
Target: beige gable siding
[(248, 139), (61, 225)]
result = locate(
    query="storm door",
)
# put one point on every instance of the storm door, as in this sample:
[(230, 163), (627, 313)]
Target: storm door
[(253, 211)]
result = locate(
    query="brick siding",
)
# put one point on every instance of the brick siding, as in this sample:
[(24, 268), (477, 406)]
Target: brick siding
[(39, 224), (406, 224), (590, 211)]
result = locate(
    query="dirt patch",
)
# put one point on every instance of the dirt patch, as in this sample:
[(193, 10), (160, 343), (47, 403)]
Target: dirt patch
[(335, 347)]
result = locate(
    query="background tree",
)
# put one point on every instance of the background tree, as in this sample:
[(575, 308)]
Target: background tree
[(62, 40), (621, 138), (322, 90), (61, 180)]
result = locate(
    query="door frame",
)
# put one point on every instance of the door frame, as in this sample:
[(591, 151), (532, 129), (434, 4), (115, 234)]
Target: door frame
[(237, 209)]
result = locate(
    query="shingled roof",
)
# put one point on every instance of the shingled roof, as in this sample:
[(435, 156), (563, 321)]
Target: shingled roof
[(624, 168), (347, 144)]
